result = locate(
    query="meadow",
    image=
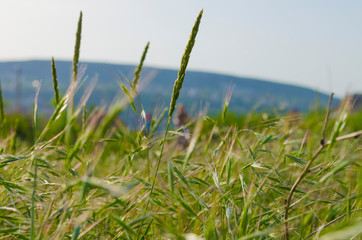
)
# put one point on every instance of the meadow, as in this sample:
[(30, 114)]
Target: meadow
[(83, 174)]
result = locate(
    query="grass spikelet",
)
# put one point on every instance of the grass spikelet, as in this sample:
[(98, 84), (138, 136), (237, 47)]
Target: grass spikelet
[(130, 98), (137, 73), (35, 111), (55, 82), (77, 47), (171, 177), (61, 107), (185, 60), (339, 125), (194, 139), (226, 104)]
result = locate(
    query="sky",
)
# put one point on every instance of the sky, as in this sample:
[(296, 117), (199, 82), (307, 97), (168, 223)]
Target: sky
[(311, 43)]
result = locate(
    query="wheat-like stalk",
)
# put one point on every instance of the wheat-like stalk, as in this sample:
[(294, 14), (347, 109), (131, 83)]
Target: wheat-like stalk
[(77, 47), (55, 82), (185, 60), (137, 73)]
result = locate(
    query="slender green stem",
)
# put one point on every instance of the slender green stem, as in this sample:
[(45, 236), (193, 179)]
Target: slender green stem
[(159, 159), (329, 223), (32, 227), (156, 172), (326, 119), (34, 161)]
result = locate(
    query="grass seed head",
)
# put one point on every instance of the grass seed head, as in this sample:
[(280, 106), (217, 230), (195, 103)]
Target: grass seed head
[(55, 82), (77, 47), (137, 73), (185, 59)]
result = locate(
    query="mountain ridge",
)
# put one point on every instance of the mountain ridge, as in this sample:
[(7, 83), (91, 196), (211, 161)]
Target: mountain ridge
[(199, 86)]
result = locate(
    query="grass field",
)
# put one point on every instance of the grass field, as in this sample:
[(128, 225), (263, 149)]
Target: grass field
[(84, 175)]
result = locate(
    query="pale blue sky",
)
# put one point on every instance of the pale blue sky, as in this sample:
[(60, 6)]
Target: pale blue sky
[(315, 43)]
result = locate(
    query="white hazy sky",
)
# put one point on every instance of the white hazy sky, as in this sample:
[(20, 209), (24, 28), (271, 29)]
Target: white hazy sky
[(312, 43)]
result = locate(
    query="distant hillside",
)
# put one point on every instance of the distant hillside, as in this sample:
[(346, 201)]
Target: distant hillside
[(199, 88)]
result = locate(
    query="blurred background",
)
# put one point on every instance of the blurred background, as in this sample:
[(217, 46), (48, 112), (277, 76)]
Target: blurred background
[(311, 44)]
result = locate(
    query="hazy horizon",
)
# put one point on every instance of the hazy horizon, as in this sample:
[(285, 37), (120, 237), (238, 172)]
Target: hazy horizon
[(309, 44), (174, 69)]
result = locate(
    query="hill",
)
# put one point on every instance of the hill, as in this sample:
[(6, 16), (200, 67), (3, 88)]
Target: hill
[(199, 89)]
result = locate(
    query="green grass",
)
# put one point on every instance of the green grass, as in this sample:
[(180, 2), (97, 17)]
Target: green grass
[(107, 181)]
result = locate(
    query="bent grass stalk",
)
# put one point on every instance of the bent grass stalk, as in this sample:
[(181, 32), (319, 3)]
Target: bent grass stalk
[(306, 170), (338, 125)]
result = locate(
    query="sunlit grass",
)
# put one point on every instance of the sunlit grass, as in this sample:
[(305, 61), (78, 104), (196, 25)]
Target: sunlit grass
[(107, 181)]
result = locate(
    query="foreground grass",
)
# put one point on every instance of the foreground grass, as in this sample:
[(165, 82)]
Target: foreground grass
[(87, 176), (234, 184)]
